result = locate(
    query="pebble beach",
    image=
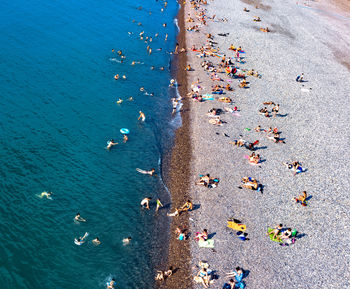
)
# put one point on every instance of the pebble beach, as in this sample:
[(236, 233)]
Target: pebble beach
[(304, 37)]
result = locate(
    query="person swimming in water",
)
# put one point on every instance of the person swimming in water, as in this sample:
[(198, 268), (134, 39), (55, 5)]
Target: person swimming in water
[(142, 116), (46, 194), (111, 284), (78, 218), (110, 144), (96, 241), (126, 241), (79, 241), (151, 172), (125, 138)]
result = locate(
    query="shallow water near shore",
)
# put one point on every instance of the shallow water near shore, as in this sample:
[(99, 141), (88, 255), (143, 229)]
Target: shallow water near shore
[(58, 103)]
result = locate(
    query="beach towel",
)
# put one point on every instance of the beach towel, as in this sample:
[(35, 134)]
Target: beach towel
[(206, 244)]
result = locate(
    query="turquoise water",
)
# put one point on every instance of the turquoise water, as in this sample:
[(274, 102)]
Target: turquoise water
[(58, 111)]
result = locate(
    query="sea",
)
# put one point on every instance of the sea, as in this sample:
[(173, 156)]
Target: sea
[(58, 110)]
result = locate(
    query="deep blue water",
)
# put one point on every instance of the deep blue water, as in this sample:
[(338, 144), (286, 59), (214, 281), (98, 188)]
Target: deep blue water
[(58, 110)]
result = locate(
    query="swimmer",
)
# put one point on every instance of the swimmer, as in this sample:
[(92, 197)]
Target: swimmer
[(152, 67), (133, 63), (45, 194), (124, 77), (166, 37), (142, 88), (172, 82), (125, 138), (119, 101), (79, 241), (116, 77), (156, 35), (111, 285), (78, 218), (161, 68), (110, 144), (151, 172), (142, 116), (145, 203), (96, 241), (126, 241), (130, 98), (164, 24)]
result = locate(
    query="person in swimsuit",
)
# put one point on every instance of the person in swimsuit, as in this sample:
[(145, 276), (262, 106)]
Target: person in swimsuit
[(79, 241), (111, 285), (203, 274), (46, 194), (126, 241), (111, 143), (145, 203), (78, 218), (188, 206), (159, 204), (96, 241), (276, 231), (142, 116), (125, 138)]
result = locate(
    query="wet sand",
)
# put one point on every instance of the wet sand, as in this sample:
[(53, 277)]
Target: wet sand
[(178, 177)]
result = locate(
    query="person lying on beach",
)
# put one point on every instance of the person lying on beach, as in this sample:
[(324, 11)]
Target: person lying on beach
[(207, 181), (230, 285), (168, 272), (96, 241), (151, 172), (275, 138), (265, 29), (175, 214), (78, 218), (263, 110), (216, 121), (276, 231), (301, 199), (251, 146), (126, 241), (145, 203), (111, 143), (295, 166), (273, 130), (204, 277), (159, 276), (256, 19), (250, 183), (258, 128), (238, 143), (46, 194)]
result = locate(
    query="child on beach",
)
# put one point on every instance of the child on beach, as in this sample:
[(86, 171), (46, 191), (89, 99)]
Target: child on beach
[(301, 199)]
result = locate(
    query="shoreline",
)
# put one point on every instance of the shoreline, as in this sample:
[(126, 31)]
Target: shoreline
[(177, 174)]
